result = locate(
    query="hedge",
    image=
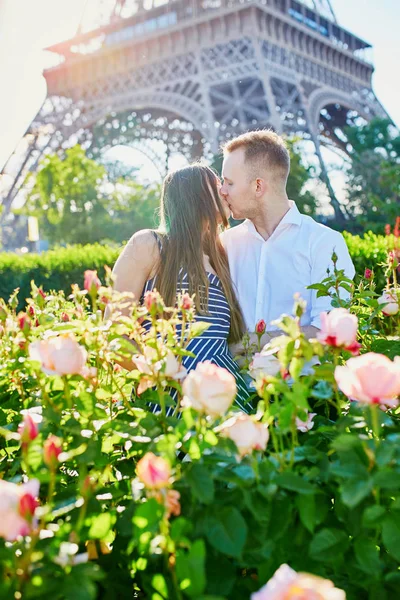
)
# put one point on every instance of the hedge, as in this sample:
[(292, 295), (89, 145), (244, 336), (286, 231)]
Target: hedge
[(58, 269)]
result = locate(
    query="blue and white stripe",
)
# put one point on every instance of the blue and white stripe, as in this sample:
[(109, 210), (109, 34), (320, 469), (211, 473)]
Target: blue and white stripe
[(212, 345)]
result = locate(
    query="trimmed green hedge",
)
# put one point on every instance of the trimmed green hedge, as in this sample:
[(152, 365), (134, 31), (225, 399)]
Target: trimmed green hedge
[(58, 269), (53, 270)]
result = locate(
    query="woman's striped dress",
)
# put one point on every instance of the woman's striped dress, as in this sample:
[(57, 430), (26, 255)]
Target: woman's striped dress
[(212, 345)]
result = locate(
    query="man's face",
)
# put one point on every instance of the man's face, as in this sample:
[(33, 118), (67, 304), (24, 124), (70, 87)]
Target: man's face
[(236, 190)]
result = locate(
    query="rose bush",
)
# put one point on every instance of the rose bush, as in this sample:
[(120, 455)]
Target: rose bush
[(101, 498)]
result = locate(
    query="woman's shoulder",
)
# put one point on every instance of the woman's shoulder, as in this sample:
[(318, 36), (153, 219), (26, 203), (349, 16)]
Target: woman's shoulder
[(146, 242)]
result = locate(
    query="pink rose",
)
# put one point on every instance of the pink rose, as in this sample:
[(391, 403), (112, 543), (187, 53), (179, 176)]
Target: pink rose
[(61, 355), (264, 363), (17, 508), (154, 471), (339, 329), (261, 326), (286, 584), (91, 281), (305, 426), (51, 451), (209, 389), (28, 430), (391, 304), (371, 379), (247, 433)]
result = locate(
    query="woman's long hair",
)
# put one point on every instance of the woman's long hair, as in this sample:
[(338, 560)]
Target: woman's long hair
[(191, 211)]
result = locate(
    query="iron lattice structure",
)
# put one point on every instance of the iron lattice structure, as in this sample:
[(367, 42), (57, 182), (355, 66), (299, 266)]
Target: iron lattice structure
[(192, 73)]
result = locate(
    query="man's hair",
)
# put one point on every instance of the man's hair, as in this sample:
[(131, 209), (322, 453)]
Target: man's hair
[(263, 149)]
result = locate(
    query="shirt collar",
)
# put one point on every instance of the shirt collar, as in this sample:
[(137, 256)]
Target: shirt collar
[(292, 217)]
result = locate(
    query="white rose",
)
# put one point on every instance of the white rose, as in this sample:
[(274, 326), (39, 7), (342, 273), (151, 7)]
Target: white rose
[(247, 433), (209, 389)]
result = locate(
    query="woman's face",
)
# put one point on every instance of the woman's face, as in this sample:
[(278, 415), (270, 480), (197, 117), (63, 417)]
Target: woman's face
[(224, 206)]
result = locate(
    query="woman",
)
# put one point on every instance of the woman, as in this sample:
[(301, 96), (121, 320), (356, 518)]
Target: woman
[(186, 255)]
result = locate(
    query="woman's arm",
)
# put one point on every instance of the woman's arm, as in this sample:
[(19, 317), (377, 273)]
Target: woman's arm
[(136, 264)]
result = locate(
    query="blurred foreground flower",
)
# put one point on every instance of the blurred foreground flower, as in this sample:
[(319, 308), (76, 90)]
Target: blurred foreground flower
[(61, 355), (265, 363), (306, 425), (28, 430), (209, 389), (286, 584), (91, 281), (154, 471), (247, 433), (370, 379), (51, 451), (17, 508)]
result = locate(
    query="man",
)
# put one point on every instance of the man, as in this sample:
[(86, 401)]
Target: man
[(276, 251)]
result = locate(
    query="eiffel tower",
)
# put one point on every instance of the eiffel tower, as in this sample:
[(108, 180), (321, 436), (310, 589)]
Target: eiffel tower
[(192, 73)]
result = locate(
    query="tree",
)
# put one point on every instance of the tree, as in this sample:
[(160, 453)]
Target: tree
[(78, 200), (373, 178)]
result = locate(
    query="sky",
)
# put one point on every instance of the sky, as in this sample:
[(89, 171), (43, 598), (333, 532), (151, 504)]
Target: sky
[(28, 26)]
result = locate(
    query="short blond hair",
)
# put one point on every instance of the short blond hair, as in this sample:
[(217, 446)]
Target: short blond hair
[(263, 148)]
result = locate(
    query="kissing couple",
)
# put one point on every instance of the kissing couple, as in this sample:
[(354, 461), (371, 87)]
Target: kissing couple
[(239, 275)]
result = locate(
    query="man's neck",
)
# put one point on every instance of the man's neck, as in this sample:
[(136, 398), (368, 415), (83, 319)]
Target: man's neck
[(271, 215)]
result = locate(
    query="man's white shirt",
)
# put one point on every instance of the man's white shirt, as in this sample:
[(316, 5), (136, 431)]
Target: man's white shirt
[(268, 273)]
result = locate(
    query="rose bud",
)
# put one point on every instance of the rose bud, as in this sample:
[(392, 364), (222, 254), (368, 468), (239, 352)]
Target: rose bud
[(51, 451), (24, 322), (28, 430), (91, 281), (261, 327), (368, 273), (65, 317), (186, 302)]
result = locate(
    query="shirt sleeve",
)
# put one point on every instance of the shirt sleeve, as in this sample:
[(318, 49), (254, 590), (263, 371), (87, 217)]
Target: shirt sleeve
[(321, 260)]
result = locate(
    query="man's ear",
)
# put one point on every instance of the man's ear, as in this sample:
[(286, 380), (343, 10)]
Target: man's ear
[(261, 186)]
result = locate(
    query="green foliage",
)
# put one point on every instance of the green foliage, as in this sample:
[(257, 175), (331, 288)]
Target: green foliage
[(374, 176), (78, 200), (53, 270), (59, 269), (326, 501)]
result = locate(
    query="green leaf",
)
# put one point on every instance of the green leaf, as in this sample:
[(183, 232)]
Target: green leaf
[(201, 483), (354, 491), (148, 514), (198, 328), (227, 531), (391, 536), (307, 510), (291, 481), (101, 525), (367, 555), (327, 544), (160, 585), (387, 479), (373, 515), (190, 569)]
